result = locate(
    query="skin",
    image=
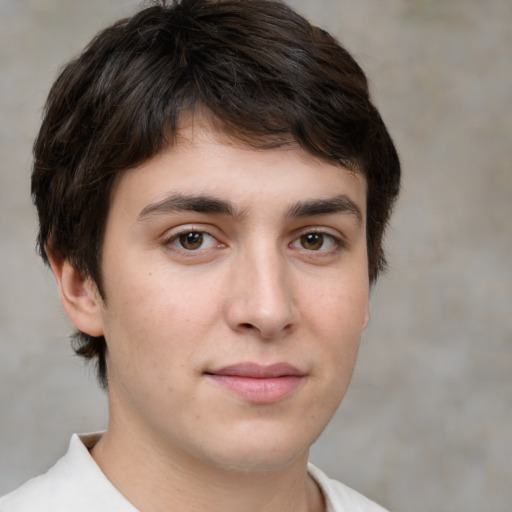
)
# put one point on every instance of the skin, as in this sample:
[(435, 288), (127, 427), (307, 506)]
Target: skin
[(265, 285)]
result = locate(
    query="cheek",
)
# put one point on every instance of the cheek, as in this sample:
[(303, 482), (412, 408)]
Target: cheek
[(157, 317), (337, 317), (339, 306)]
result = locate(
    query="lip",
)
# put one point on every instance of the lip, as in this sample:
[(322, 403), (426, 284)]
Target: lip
[(263, 384)]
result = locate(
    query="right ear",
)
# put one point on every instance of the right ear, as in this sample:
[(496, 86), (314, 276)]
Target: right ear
[(79, 295)]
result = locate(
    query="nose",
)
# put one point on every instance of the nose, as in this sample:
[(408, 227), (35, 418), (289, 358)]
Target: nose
[(261, 298)]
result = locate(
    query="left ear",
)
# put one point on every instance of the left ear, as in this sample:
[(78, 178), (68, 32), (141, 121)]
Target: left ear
[(79, 296)]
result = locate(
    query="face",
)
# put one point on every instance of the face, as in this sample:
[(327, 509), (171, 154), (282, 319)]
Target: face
[(236, 288)]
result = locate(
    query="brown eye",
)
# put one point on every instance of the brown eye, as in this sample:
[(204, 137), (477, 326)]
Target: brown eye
[(312, 241), (316, 241), (191, 241)]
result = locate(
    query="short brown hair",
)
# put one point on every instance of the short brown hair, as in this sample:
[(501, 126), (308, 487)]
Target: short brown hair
[(261, 71)]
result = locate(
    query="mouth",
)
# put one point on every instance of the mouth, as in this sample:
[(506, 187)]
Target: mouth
[(258, 383)]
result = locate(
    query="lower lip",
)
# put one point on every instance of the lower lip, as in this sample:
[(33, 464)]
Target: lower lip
[(259, 390)]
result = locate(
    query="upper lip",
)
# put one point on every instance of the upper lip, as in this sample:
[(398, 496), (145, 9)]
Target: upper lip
[(258, 371)]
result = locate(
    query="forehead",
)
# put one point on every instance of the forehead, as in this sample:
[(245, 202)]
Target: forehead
[(206, 160)]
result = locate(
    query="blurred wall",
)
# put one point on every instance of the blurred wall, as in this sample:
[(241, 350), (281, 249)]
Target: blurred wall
[(427, 423)]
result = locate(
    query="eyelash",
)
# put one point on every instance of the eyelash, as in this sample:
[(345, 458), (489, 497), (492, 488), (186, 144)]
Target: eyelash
[(337, 242), (176, 237)]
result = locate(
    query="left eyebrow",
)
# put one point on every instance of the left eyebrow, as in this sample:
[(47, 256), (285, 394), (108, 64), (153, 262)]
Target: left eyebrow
[(338, 204)]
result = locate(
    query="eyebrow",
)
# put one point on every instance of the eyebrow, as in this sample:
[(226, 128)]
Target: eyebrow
[(338, 204), (211, 204), (190, 203)]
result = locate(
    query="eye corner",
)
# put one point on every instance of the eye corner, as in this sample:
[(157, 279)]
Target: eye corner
[(318, 242), (191, 241)]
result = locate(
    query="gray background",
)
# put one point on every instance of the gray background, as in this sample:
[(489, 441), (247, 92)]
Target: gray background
[(427, 423)]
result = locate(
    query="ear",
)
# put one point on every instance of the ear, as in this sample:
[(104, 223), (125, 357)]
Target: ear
[(78, 294), (366, 319)]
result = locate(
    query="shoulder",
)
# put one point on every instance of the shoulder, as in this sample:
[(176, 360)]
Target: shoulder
[(39, 493), (341, 498), (75, 483), (30, 496)]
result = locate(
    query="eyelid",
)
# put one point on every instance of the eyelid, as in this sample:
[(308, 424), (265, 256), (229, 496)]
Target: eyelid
[(172, 234), (340, 242), (209, 229), (333, 233), (207, 241)]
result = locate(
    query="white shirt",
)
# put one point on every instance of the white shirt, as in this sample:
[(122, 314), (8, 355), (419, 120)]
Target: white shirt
[(76, 483)]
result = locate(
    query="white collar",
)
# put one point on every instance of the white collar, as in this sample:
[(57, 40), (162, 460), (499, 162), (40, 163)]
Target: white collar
[(77, 483)]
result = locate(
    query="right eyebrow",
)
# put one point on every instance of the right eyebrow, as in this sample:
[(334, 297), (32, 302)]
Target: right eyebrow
[(190, 203)]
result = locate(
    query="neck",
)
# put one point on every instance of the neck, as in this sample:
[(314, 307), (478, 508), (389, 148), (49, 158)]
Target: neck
[(155, 478)]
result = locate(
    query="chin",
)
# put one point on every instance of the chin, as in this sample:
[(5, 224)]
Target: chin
[(258, 462), (264, 451)]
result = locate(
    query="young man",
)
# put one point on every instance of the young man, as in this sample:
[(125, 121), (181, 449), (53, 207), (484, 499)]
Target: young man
[(212, 183)]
